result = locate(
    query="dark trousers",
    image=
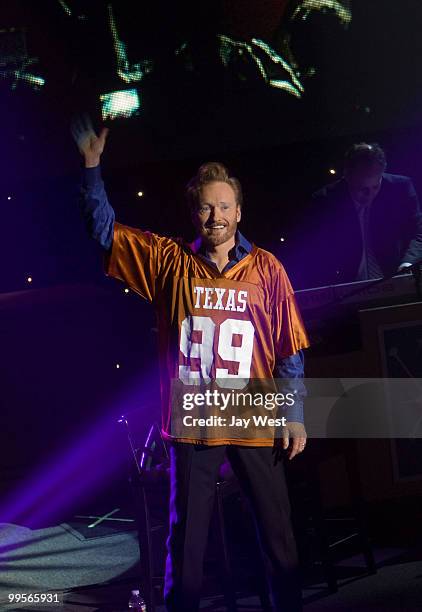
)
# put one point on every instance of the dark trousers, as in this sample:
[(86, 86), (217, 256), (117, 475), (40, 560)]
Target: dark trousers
[(194, 471)]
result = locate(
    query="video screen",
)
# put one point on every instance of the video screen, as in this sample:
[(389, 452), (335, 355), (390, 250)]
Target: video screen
[(221, 73)]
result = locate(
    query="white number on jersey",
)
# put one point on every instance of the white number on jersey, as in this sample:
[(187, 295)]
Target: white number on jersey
[(202, 349)]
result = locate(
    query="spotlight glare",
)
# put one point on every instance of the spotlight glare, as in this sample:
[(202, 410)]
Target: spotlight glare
[(117, 366), (126, 290), (9, 197), (29, 279), (333, 171), (140, 194), (281, 239)]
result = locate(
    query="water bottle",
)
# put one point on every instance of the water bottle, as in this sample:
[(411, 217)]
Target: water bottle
[(136, 602)]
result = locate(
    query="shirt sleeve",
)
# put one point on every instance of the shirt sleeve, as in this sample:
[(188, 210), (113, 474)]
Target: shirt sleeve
[(288, 329), (96, 209), (292, 369), (413, 252), (289, 339), (138, 258)]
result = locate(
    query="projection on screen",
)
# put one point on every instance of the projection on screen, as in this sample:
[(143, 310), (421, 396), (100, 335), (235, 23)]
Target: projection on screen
[(255, 47)]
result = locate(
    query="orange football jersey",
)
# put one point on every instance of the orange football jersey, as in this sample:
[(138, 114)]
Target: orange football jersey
[(211, 325)]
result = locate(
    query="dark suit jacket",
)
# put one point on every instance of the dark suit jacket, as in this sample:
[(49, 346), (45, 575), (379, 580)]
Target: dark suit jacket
[(333, 239)]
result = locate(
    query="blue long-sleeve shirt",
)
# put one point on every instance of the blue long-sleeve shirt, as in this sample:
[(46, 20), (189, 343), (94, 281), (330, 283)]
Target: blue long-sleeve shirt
[(99, 219)]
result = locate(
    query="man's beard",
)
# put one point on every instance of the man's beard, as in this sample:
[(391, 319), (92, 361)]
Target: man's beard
[(217, 237)]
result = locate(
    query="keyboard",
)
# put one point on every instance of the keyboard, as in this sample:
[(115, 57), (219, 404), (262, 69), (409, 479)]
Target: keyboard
[(359, 293)]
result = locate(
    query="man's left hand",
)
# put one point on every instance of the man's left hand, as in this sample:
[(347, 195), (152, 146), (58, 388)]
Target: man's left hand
[(294, 438)]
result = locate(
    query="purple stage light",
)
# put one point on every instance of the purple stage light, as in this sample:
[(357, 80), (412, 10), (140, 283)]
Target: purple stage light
[(86, 465)]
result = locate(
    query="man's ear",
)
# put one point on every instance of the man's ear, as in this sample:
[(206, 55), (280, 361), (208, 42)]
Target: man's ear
[(238, 213)]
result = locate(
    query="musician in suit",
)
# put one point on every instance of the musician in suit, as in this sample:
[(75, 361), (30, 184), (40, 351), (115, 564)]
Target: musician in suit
[(367, 225)]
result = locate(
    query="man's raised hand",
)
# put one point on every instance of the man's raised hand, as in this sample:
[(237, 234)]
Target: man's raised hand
[(89, 144)]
